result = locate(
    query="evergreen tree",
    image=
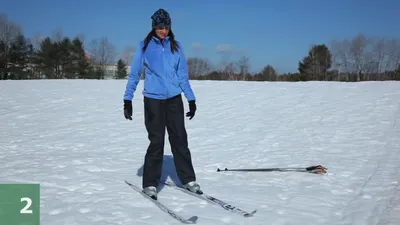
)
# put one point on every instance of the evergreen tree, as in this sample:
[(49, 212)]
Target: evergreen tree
[(82, 65), (121, 70), (19, 57), (67, 59), (46, 58), (315, 66), (3, 60)]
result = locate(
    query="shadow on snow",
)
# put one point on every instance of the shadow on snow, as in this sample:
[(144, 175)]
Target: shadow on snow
[(168, 171)]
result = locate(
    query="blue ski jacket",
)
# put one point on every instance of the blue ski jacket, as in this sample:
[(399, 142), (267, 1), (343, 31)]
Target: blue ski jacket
[(166, 73)]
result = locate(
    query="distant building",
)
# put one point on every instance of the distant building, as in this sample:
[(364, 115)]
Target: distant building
[(111, 71)]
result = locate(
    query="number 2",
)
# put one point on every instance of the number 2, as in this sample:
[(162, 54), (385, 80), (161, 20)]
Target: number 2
[(28, 204)]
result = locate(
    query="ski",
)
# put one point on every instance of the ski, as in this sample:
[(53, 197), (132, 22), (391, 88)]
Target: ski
[(311, 169), (211, 199), (191, 220)]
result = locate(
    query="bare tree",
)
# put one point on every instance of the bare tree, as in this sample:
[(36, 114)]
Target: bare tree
[(396, 55), (393, 54), (58, 35), (375, 59), (225, 51), (8, 29), (102, 53), (81, 37), (8, 32), (366, 58), (127, 54), (36, 41), (357, 52), (198, 67), (229, 71), (243, 66), (341, 57), (379, 54)]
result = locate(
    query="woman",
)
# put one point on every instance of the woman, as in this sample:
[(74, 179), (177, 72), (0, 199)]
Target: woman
[(166, 77)]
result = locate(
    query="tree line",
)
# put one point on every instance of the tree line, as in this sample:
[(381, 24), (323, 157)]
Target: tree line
[(358, 59), (60, 57), (56, 57)]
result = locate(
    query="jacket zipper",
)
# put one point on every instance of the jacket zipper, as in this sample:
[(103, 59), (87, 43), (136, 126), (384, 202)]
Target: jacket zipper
[(163, 57)]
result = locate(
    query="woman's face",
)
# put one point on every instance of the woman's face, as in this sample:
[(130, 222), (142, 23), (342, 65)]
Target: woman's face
[(162, 32)]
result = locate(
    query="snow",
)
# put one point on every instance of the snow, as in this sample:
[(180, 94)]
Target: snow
[(72, 138)]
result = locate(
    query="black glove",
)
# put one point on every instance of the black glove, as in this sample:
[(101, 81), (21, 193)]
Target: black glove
[(192, 108), (128, 109)]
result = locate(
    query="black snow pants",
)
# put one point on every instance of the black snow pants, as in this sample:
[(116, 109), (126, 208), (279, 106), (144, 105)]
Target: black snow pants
[(159, 116)]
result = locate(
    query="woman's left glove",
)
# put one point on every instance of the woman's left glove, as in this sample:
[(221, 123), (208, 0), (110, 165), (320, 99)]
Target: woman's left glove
[(192, 108), (128, 109)]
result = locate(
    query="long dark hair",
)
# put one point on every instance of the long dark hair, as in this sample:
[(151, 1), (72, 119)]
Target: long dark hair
[(174, 45)]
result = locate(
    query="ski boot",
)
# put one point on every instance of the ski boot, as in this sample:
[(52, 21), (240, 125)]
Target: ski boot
[(151, 191), (193, 187)]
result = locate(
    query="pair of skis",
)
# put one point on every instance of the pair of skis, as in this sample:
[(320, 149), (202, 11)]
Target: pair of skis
[(192, 220), (203, 196)]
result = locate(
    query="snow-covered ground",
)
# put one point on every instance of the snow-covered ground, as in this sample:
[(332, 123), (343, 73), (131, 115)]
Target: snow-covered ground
[(72, 138)]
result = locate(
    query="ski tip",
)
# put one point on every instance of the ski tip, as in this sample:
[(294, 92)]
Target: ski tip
[(192, 220), (250, 214)]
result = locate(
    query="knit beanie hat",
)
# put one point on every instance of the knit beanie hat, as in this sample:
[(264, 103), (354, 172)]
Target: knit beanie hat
[(161, 18)]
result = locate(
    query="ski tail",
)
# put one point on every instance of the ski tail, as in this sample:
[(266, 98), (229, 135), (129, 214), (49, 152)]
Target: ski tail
[(311, 169)]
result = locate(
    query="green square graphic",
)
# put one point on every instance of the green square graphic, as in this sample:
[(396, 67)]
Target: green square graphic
[(20, 204)]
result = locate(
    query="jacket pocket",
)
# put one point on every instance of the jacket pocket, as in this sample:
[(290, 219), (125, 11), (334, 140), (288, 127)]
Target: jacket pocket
[(152, 84)]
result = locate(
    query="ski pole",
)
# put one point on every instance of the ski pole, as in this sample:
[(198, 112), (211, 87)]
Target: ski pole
[(310, 169)]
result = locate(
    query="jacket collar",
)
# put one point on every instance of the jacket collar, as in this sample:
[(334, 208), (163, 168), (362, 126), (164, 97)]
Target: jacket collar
[(158, 41)]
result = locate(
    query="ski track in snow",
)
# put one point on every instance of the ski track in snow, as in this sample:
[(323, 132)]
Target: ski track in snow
[(71, 137)]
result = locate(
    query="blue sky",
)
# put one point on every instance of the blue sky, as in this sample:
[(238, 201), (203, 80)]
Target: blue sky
[(277, 32)]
